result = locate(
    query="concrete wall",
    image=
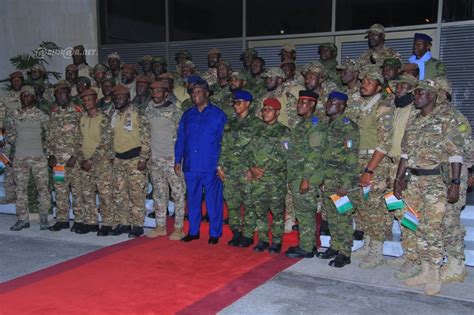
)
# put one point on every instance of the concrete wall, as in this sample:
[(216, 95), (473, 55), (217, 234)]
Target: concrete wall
[(24, 24)]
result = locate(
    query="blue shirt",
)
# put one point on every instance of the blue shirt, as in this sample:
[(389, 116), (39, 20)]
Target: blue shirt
[(198, 144)]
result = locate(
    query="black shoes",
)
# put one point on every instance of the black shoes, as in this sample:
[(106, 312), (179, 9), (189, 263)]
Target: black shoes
[(76, 226), (188, 238), (20, 225), (358, 235), (205, 218), (274, 248), (340, 261), (87, 228), (245, 241), (213, 240), (104, 230), (261, 247), (298, 252), (58, 226), (152, 215), (295, 227), (328, 254), (235, 241), (120, 229), (137, 231)]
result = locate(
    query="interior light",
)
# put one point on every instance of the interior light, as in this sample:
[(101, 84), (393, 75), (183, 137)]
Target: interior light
[(282, 31)]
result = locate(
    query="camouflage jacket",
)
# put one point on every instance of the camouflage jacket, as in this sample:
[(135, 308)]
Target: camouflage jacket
[(45, 106), (434, 68), (22, 115), (107, 108), (141, 105), (11, 99), (104, 150), (168, 111), (223, 100), (333, 74), (288, 112), (256, 86), (371, 57), (238, 133)]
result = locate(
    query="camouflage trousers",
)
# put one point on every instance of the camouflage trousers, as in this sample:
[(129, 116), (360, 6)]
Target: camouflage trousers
[(427, 195), (97, 181), (290, 213), (71, 184), (236, 191), (37, 167), (306, 206), (454, 231), (163, 177), (129, 192), (9, 184), (340, 225), (267, 195)]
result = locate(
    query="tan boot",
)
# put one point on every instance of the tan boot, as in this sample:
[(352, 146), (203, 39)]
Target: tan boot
[(396, 262), (375, 256), (158, 231), (433, 286), (177, 234), (364, 250), (453, 271), (409, 269), (421, 278)]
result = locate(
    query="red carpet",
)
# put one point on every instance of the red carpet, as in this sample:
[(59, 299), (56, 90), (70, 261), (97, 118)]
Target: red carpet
[(145, 276)]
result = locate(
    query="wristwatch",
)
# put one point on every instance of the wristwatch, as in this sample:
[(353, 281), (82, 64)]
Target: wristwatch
[(366, 170), (456, 181)]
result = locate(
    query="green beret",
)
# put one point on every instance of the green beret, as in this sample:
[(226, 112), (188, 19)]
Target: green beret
[(392, 62), (160, 60), (272, 73), (330, 46)]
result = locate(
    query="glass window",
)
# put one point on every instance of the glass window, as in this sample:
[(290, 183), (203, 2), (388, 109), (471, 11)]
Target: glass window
[(139, 21), (205, 19), (458, 10), (360, 14), (282, 17)]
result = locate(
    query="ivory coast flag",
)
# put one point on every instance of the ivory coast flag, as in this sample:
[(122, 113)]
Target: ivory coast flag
[(343, 204), (59, 173), (392, 202), (4, 160), (410, 219), (365, 192)]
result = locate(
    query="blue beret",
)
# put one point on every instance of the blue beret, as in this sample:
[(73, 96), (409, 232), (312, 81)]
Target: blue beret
[(423, 37), (338, 95), (192, 79), (242, 96), (201, 83)]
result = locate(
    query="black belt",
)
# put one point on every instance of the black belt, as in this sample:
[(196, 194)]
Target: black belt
[(130, 154), (424, 172)]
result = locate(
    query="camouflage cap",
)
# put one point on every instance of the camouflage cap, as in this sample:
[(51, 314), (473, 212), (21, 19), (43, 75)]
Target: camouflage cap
[(286, 62), (215, 51), (62, 84), (27, 89), (16, 74), (146, 58), (444, 84), (289, 47), (249, 51), (85, 80), (38, 66), (404, 78), (224, 63), (183, 54), (272, 73), (372, 72), (428, 85), (72, 67), (349, 63), (160, 59), (377, 28), (88, 92), (314, 67), (158, 85), (330, 46), (101, 67), (239, 75), (392, 62), (187, 63), (130, 67), (120, 89), (143, 78), (114, 55), (165, 75)]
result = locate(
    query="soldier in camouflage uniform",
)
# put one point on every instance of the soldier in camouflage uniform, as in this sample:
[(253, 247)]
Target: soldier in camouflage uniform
[(256, 84), (300, 170), (213, 59), (349, 72), (99, 74), (95, 156), (71, 75), (390, 71), (62, 140), (143, 98), (83, 83), (114, 62), (327, 57), (247, 57), (289, 81), (105, 104), (129, 79), (222, 94), (146, 65), (159, 65), (41, 102), (338, 165), (266, 157), (433, 142), (163, 116), (79, 59), (25, 130), (131, 142), (429, 67), (377, 52), (238, 133), (181, 84)]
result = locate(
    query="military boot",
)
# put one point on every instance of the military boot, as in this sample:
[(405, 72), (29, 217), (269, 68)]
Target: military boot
[(375, 256), (246, 241), (396, 262), (364, 250), (44, 222), (453, 271), (237, 236), (20, 225), (177, 234), (421, 278), (261, 246), (409, 269), (433, 285), (158, 231)]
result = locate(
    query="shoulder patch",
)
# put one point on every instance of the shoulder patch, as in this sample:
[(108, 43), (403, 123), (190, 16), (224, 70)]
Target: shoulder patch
[(77, 109), (285, 144), (346, 121), (463, 128), (314, 120)]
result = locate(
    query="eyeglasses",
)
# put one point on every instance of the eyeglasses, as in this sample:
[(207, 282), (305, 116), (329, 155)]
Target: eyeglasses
[(267, 109)]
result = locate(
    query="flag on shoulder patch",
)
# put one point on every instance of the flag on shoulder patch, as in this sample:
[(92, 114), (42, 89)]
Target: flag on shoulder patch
[(314, 120), (59, 172), (365, 192), (410, 219), (343, 204), (346, 120), (392, 202), (285, 144), (4, 160), (348, 143)]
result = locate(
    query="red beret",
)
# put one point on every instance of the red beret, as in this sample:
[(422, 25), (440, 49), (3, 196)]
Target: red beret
[(273, 103)]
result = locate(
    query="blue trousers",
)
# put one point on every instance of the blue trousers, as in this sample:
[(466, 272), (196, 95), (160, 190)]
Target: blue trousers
[(213, 188)]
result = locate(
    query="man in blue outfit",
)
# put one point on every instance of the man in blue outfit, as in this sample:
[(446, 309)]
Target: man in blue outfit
[(197, 151)]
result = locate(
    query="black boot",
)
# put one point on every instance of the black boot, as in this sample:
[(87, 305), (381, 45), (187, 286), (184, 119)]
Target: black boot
[(328, 254), (120, 229), (137, 231), (188, 238), (58, 226), (245, 241), (275, 248), (298, 252), (261, 247), (358, 235), (340, 261), (104, 230), (87, 228), (76, 226), (152, 215), (237, 236)]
